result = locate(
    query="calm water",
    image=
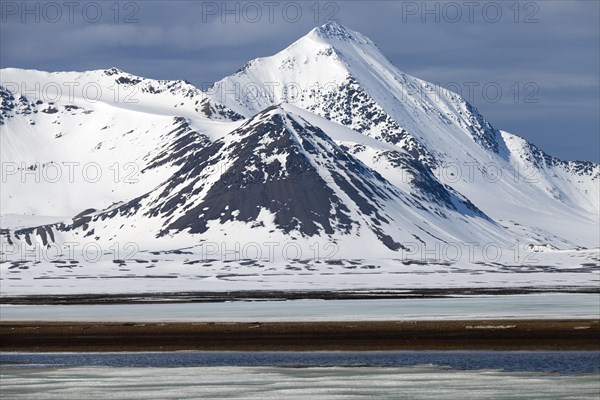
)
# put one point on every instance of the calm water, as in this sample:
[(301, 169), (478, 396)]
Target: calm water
[(301, 375), (563, 362), (473, 307)]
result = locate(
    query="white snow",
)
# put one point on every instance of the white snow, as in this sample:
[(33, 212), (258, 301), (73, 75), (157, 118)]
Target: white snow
[(64, 152)]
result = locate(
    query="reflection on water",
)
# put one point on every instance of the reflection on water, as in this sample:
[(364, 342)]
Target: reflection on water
[(301, 375)]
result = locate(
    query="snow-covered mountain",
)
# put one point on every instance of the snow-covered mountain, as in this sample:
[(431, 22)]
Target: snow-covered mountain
[(324, 143), (341, 75)]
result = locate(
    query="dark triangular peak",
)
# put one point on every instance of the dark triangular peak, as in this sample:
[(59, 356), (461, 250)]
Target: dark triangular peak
[(279, 163)]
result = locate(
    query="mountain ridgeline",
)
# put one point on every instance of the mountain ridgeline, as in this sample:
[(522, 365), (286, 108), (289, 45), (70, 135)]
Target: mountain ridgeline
[(325, 141)]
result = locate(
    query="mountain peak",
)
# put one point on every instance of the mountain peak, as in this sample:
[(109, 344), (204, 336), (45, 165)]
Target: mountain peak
[(113, 71), (335, 30)]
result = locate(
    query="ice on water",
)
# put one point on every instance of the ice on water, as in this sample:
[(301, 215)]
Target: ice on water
[(331, 383)]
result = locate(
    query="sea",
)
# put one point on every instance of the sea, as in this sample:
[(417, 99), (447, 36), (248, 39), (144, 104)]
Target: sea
[(325, 375)]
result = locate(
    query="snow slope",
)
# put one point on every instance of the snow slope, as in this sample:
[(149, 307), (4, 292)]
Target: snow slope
[(90, 151), (341, 75), (325, 149)]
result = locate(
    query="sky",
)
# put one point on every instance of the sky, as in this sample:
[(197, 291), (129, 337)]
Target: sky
[(531, 67)]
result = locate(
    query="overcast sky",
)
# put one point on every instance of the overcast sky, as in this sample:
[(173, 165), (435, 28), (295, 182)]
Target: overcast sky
[(543, 56)]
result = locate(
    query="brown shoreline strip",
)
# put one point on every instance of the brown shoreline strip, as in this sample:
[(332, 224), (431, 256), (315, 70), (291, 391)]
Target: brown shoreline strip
[(298, 336)]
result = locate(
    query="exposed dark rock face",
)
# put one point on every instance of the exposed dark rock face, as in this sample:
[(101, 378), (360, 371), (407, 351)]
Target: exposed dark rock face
[(351, 106), (274, 162), (277, 165), (183, 142), (215, 110), (181, 88), (275, 171), (428, 193), (7, 104), (540, 159)]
